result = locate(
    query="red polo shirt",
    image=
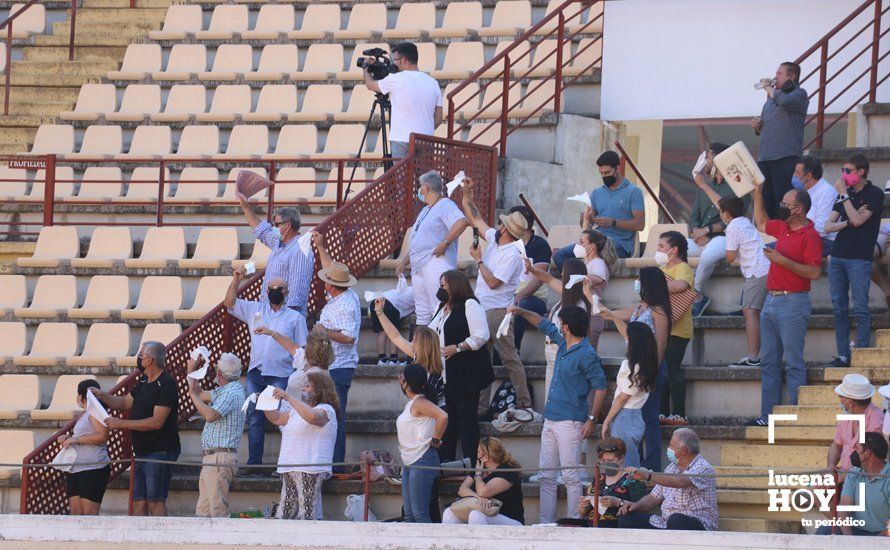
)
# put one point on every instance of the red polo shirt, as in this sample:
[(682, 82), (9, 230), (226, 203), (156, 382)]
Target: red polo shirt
[(803, 246)]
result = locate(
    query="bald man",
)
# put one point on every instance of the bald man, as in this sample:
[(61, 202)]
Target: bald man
[(270, 363)]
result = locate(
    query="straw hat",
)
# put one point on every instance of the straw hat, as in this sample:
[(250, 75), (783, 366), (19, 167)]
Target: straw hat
[(855, 386), (515, 224), (337, 274)]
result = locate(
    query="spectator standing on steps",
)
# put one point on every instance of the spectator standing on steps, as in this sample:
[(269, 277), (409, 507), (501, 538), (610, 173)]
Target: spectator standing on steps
[(808, 175), (857, 220), (780, 127)]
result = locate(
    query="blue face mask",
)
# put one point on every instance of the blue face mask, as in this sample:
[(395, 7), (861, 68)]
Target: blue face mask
[(796, 183), (276, 233), (420, 196), (672, 456)]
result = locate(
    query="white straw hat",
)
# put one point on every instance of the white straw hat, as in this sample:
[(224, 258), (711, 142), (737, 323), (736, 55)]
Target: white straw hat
[(855, 386)]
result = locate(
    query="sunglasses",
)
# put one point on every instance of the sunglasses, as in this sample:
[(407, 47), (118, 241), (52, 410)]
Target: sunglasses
[(609, 449), (278, 224)]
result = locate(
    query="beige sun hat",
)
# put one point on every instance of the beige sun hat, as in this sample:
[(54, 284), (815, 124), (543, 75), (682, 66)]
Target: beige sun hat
[(337, 274), (515, 224), (855, 386)]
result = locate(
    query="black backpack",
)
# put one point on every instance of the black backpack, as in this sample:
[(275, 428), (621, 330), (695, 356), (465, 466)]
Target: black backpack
[(505, 398)]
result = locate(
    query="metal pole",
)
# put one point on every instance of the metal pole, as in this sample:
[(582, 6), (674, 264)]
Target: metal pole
[(132, 483), (820, 115), (8, 67), (451, 115), (652, 194), (161, 181), (366, 481), (534, 215), (505, 106), (339, 201), (73, 23), (558, 74), (875, 46), (49, 190), (596, 494)]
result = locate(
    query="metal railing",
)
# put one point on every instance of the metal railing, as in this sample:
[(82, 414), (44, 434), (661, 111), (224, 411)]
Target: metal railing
[(367, 228), (627, 161), (823, 48), (9, 24), (564, 24)]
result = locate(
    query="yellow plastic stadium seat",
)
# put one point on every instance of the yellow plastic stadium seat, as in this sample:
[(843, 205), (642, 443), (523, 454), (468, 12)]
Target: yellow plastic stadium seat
[(510, 17), (183, 102), (318, 20), (230, 188), (108, 245), (198, 141), (64, 184), (100, 183), (276, 62), (276, 101), (13, 183), (414, 19), (563, 235), (229, 102), (320, 100), (273, 21), (150, 142), (53, 295), (225, 23), (343, 141), (590, 57), (143, 186), (352, 71), (360, 103), (231, 61), (204, 188), (466, 102), (364, 20), (53, 343), (648, 257), (520, 60), (53, 138), (93, 101), (13, 339), (295, 141), (481, 134), (538, 99), (106, 295), (460, 19), (180, 22), (215, 245), (322, 62), (259, 256), (185, 62), (64, 402), (461, 60), (17, 444), (159, 296), (140, 101), (492, 99), (427, 58), (161, 245), (32, 21), (153, 332), (105, 341), (19, 394), (329, 194), (211, 291), (140, 60), (55, 244), (246, 141), (295, 192), (572, 22)]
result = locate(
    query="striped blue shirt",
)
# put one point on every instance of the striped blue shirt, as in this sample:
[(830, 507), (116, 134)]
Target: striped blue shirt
[(287, 262), (784, 116), (343, 313), (226, 431)]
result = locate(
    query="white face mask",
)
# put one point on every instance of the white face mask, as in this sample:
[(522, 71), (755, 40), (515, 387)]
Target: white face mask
[(637, 286), (661, 258), (579, 251)]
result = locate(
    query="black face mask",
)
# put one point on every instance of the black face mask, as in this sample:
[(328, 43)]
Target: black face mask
[(609, 181), (855, 460), (788, 86), (139, 363), (783, 213), (276, 296), (442, 295)]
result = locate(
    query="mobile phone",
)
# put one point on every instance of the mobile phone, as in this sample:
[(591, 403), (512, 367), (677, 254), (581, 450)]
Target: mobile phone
[(475, 238)]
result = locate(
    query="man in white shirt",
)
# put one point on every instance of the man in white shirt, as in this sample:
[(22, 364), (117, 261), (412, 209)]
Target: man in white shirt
[(415, 97), (500, 269), (433, 248), (808, 175)]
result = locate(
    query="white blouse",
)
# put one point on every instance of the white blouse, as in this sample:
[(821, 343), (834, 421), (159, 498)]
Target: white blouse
[(305, 443), (638, 397), (476, 321)]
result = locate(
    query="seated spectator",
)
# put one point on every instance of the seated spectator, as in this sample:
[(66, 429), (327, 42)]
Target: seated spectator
[(531, 294), (617, 210), (86, 482), (490, 482), (308, 433), (855, 393), (857, 220), (616, 487), (221, 437), (687, 503), (880, 260), (599, 256), (706, 226), (398, 305), (869, 461), (808, 175), (885, 393)]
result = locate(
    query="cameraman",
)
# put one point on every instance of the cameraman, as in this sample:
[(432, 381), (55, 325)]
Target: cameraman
[(415, 97)]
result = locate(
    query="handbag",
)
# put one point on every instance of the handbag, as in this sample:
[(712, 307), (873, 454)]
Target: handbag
[(681, 302), (462, 507)]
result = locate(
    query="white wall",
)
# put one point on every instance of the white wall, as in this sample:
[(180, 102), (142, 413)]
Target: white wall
[(670, 59)]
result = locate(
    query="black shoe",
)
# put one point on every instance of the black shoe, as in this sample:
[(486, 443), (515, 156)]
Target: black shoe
[(699, 306), (761, 422), (746, 362), (837, 363)]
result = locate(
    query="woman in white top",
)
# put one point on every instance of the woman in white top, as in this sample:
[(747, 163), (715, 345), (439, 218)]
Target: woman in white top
[(308, 432), (636, 378), (420, 429), (85, 485), (598, 254)]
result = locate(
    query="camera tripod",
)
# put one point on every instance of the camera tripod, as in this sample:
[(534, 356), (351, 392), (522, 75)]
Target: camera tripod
[(381, 101)]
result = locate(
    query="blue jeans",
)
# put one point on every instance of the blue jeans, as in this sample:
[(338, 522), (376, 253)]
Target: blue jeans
[(531, 303), (628, 427), (783, 327), (652, 456), (151, 481), (679, 522), (342, 380), (417, 486), (256, 420), (567, 252), (845, 275)]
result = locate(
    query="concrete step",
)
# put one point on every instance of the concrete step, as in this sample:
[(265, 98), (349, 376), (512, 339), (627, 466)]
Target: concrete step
[(103, 40), (63, 68), (788, 433), (876, 374), (120, 15), (824, 395), (53, 81), (810, 415), (17, 136), (27, 121), (871, 357), (755, 525), (89, 29), (12, 148), (28, 108), (773, 456), (41, 94), (80, 53), (882, 338), (125, 4)]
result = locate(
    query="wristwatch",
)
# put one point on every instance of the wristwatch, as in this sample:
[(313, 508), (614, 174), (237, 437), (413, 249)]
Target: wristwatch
[(592, 418), (480, 262)]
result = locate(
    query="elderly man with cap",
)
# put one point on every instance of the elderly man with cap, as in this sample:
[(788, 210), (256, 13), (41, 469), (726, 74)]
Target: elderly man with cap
[(342, 318), (270, 364), (855, 393), (223, 427), (433, 248), (500, 269)]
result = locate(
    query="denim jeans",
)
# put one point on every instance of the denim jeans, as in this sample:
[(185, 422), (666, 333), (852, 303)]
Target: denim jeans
[(679, 522), (709, 256), (342, 380), (531, 303), (651, 459), (567, 252), (783, 328), (845, 275), (256, 420), (417, 485), (151, 481), (628, 427)]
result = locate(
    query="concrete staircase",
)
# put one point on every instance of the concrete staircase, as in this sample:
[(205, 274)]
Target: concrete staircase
[(44, 82)]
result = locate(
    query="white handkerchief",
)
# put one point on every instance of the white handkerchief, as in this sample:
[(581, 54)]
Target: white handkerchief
[(583, 198), (265, 402), (595, 306), (250, 399), (505, 326), (257, 321), (95, 408), (456, 182), (305, 243), (520, 246), (700, 163), (402, 285), (65, 459), (199, 374), (201, 351), (371, 295), (300, 359), (573, 280), (249, 268)]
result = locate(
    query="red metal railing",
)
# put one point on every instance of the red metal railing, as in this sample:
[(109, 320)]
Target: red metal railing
[(564, 25), (8, 24), (872, 12), (369, 227), (627, 161)]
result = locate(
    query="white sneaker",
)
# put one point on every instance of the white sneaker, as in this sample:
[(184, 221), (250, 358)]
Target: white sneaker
[(383, 362)]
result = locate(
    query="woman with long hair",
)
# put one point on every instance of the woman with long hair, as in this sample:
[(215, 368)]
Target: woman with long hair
[(86, 482), (420, 428), (308, 432), (491, 481)]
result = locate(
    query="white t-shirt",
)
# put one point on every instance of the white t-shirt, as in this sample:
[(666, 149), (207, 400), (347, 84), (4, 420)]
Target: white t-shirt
[(742, 236), (430, 228), (506, 265), (638, 397), (598, 267), (305, 443), (822, 197), (414, 96)]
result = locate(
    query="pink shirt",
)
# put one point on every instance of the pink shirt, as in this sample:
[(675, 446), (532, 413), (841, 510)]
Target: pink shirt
[(847, 433)]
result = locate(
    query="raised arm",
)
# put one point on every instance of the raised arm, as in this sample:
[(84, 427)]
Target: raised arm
[(530, 316), (232, 291), (252, 219), (279, 338), (323, 256), (316, 417), (760, 217), (470, 208), (116, 402), (391, 331)]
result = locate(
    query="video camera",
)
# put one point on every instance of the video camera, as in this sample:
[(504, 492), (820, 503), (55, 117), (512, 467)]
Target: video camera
[(378, 63)]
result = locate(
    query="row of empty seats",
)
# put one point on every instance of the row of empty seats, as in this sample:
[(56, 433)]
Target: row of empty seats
[(275, 102), (365, 20), (107, 295), (188, 62), (20, 394)]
